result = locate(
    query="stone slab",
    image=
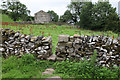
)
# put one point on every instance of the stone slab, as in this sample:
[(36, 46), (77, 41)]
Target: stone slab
[(52, 57), (47, 40)]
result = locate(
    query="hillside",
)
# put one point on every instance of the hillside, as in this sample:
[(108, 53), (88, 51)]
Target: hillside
[(6, 18)]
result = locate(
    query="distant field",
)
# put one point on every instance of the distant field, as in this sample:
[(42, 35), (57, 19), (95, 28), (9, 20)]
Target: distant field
[(55, 31)]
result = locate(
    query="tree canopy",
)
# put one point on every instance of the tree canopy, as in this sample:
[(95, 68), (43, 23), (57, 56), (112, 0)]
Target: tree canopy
[(103, 14), (67, 17), (75, 8), (97, 16), (85, 16)]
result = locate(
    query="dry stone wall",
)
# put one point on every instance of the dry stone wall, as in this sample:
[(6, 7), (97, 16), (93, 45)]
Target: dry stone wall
[(68, 47), (77, 47), (15, 43)]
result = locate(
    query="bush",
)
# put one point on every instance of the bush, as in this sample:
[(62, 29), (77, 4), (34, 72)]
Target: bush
[(27, 59)]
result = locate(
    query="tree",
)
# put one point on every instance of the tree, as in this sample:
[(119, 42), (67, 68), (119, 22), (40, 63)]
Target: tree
[(102, 15), (54, 16), (17, 10), (67, 17), (30, 18), (112, 23), (75, 8), (85, 16)]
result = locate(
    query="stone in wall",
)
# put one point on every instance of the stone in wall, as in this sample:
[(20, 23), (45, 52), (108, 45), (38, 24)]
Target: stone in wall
[(63, 38)]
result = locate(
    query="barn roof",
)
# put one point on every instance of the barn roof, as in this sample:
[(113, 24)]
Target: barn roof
[(41, 11)]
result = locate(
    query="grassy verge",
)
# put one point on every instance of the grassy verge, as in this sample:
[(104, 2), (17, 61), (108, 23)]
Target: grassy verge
[(28, 67)]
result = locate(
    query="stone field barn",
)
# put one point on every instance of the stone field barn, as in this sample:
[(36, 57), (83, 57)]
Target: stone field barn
[(42, 17)]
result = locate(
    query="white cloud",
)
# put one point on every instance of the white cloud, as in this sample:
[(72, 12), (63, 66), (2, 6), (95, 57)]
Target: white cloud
[(59, 6)]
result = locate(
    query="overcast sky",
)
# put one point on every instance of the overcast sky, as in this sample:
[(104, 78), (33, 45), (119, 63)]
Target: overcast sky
[(59, 6)]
